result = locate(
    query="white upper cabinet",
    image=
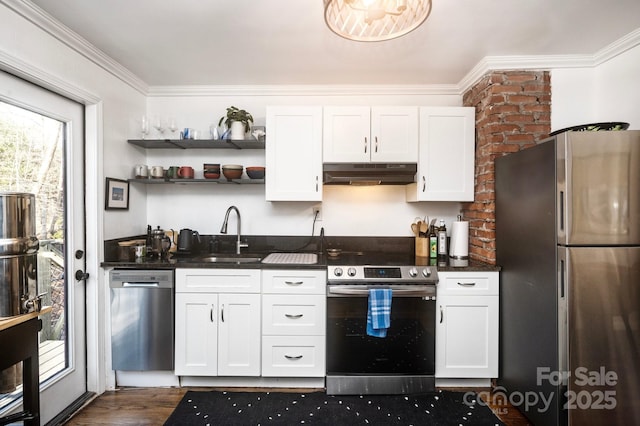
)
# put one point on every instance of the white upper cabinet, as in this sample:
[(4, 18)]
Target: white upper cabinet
[(446, 155), (370, 134), (294, 153)]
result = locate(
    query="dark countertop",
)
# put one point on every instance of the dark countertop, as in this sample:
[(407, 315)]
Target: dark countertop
[(454, 265), (173, 263), (261, 246)]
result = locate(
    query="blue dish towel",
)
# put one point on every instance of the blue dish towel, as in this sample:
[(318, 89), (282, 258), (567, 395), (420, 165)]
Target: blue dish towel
[(379, 312)]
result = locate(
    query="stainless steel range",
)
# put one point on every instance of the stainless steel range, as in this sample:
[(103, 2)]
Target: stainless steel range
[(402, 362)]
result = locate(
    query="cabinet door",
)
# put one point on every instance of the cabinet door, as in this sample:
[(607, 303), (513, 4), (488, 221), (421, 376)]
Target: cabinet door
[(394, 134), (294, 154), (467, 337), (346, 134), (239, 335), (196, 344), (446, 155)]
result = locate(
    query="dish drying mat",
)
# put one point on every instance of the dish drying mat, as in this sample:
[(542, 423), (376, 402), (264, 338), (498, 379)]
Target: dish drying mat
[(302, 258)]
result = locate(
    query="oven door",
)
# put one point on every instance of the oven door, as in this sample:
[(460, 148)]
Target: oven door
[(393, 364)]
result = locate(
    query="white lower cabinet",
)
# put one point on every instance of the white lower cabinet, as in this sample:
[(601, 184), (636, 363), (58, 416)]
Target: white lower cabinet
[(239, 335), (217, 333), (293, 323), (196, 334), (467, 325)]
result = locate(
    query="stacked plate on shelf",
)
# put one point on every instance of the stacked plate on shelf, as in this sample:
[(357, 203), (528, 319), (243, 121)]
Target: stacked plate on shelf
[(211, 171)]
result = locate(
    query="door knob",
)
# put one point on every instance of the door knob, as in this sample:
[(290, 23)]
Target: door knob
[(81, 275)]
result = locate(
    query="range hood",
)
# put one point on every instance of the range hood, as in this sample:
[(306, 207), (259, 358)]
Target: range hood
[(369, 173)]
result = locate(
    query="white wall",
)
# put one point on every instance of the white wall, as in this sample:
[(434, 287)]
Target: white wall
[(346, 211), (22, 41), (617, 88), (608, 92)]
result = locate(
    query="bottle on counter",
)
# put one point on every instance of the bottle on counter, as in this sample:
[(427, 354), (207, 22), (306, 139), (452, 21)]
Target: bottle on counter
[(442, 240), (148, 241), (433, 242)]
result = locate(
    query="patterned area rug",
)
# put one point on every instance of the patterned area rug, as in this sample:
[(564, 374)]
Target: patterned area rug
[(317, 408)]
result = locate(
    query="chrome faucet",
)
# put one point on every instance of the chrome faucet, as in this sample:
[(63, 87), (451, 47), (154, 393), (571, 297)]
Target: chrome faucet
[(223, 230)]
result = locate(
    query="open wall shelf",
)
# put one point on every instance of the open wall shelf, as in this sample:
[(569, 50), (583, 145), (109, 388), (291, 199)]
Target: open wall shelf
[(197, 144), (152, 181)]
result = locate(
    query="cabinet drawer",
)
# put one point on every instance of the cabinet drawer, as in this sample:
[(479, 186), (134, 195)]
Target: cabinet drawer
[(468, 283), (218, 280), (293, 315), (294, 282), (293, 356)]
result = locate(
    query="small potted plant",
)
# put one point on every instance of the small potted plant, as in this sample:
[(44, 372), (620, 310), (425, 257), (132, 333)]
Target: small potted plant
[(238, 121)]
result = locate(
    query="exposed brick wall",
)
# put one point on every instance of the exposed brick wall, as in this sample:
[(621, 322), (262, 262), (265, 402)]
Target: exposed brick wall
[(513, 111)]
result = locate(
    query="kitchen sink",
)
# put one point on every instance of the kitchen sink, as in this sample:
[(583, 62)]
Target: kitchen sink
[(220, 259), (226, 258)]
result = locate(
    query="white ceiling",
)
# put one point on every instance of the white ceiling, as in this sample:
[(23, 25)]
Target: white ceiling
[(265, 42)]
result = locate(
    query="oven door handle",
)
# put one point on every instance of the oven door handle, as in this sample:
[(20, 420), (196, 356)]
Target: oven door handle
[(363, 291)]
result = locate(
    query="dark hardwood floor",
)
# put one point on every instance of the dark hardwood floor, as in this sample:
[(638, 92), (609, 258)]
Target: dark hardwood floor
[(152, 406)]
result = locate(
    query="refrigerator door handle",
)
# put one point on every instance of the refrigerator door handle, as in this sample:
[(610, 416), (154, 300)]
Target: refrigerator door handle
[(561, 211), (562, 279)]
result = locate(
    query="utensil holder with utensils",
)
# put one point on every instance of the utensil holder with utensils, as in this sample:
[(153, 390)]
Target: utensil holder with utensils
[(422, 247), (420, 228)]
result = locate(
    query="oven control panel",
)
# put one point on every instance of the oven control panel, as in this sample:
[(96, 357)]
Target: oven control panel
[(384, 274)]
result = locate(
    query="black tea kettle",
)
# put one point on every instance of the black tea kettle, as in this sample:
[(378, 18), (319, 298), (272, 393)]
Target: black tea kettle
[(188, 240)]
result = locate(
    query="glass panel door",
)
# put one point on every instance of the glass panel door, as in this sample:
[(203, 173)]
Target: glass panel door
[(41, 152)]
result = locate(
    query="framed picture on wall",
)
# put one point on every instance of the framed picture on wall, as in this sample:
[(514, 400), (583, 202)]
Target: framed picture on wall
[(116, 195)]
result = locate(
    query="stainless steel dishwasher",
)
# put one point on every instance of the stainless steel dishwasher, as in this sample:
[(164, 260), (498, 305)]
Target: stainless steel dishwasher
[(142, 333)]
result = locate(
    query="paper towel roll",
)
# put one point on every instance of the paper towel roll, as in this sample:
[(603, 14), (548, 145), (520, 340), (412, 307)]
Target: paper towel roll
[(459, 246)]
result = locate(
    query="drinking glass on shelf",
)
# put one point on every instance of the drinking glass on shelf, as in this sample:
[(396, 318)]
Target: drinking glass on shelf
[(158, 124), (173, 126), (144, 126)]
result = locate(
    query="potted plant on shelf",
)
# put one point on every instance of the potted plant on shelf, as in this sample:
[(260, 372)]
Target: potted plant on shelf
[(238, 121)]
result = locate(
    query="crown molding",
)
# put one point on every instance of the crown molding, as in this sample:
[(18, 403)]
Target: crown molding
[(28, 72), (304, 90), (496, 63), (44, 21), (618, 47)]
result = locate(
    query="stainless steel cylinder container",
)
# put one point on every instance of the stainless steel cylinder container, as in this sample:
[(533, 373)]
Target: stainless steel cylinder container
[(19, 283), (18, 248), (17, 223)]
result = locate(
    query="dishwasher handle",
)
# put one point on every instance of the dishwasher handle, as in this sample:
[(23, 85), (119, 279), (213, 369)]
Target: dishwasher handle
[(141, 284)]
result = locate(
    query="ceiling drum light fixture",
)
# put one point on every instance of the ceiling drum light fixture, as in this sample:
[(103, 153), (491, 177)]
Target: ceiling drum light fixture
[(375, 20)]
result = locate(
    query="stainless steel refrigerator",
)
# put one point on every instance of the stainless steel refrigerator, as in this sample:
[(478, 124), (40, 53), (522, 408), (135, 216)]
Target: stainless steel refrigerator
[(568, 242)]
